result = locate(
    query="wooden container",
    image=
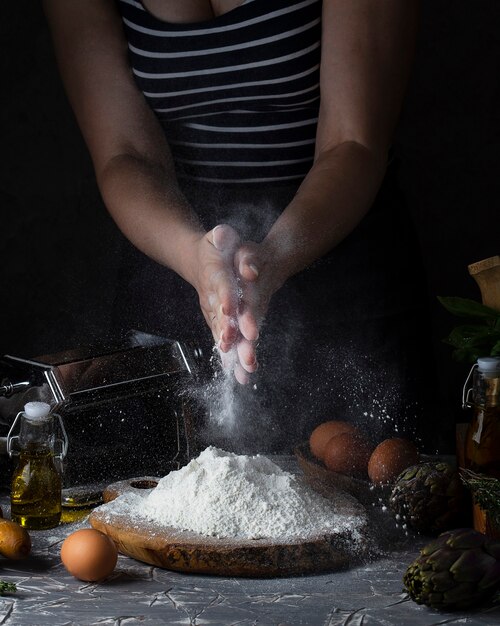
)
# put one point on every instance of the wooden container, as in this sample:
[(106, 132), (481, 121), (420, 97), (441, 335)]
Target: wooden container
[(486, 273), (483, 523)]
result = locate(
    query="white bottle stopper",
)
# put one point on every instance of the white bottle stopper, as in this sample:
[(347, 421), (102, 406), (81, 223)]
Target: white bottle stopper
[(36, 410), (489, 365)]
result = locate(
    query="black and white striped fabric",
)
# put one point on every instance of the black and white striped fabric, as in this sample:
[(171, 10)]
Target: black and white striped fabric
[(237, 95)]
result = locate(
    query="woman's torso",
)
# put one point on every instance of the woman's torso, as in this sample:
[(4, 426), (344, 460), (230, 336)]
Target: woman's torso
[(238, 93), (189, 11)]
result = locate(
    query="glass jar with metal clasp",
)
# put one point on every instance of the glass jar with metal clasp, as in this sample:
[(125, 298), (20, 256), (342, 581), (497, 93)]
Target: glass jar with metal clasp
[(36, 481), (482, 440), (482, 443)]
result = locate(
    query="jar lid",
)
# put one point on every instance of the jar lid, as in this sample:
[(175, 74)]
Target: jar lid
[(489, 365), (36, 410)]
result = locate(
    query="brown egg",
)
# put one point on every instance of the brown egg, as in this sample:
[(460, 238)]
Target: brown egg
[(390, 458), (322, 434), (348, 453), (89, 554)]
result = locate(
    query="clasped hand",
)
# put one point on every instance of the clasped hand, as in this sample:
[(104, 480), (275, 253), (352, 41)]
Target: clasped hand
[(234, 284)]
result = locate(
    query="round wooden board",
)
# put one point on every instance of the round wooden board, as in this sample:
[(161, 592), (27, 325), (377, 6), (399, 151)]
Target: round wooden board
[(193, 553)]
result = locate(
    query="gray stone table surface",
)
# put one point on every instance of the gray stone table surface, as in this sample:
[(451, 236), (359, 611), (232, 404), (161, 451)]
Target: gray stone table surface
[(370, 594)]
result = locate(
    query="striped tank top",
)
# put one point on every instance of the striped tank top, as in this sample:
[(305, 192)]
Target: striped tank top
[(237, 95)]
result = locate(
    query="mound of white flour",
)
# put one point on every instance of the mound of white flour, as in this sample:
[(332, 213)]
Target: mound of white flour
[(249, 497)]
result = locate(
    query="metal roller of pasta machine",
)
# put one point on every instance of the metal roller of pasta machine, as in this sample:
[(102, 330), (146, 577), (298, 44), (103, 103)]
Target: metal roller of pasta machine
[(123, 405)]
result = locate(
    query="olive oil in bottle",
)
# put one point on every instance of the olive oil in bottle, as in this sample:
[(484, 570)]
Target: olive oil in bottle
[(36, 482), (482, 445)]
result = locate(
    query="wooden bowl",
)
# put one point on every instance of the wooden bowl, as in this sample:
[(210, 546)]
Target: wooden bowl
[(325, 482)]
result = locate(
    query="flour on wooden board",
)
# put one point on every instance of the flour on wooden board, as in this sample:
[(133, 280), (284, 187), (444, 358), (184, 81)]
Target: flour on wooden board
[(225, 495)]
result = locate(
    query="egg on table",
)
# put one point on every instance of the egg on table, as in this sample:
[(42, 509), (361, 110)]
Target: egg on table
[(89, 554), (322, 434), (390, 458)]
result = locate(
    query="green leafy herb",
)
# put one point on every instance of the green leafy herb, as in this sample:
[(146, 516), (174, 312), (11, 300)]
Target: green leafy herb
[(6, 587), (463, 307), (480, 336), (485, 492)]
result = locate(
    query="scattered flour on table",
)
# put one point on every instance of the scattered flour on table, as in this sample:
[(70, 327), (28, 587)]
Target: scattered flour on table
[(225, 495)]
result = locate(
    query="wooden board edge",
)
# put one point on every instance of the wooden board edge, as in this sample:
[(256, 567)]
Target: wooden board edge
[(258, 561)]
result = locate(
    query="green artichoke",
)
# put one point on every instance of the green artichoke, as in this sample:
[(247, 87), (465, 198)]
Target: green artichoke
[(459, 569), (430, 497)]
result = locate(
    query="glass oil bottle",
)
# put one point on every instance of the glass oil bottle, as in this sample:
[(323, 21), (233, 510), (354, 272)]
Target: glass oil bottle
[(482, 441), (36, 481)]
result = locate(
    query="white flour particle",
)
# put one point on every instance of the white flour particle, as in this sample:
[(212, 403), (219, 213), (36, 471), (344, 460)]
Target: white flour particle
[(224, 495)]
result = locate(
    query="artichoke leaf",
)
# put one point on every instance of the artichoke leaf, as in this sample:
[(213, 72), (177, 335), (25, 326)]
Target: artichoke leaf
[(465, 594), (409, 473), (442, 581), (491, 578), (493, 548), (471, 565), (435, 544), (434, 600), (463, 538), (442, 559)]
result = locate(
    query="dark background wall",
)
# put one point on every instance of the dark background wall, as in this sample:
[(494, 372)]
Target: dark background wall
[(59, 248)]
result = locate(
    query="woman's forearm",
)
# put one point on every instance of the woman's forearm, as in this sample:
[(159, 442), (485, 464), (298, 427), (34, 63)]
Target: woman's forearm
[(148, 207), (331, 201)]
